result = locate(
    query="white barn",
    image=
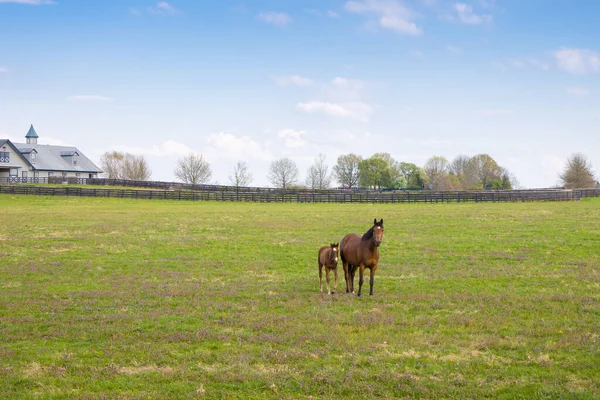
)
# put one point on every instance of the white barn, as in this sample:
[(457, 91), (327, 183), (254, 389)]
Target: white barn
[(30, 161)]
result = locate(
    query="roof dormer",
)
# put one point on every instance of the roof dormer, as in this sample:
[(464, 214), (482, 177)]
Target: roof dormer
[(30, 154), (71, 157)]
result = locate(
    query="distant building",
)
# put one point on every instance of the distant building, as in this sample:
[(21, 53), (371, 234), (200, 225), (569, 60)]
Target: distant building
[(27, 162)]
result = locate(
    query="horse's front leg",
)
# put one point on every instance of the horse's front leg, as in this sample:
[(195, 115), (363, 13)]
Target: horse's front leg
[(372, 279), (327, 276), (361, 273), (335, 284), (320, 277)]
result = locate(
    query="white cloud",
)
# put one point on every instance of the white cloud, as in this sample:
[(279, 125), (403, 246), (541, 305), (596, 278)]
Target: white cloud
[(528, 62), (278, 19), (577, 61), (293, 80), (466, 15), (164, 8), (3, 69), (236, 148), (390, 14), (329, 13), (578, 91), (165, 149), (453, 49), (292, 138), (343, 89), (352, 85), (521, 63), (89, 97), (29, 2), (353, 110)]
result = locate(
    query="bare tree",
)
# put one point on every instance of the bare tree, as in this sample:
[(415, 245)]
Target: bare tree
[(463, 168), (193, 169), (317, 176), (282, 173), (578, 173), (346, 170), (240, 176), (111, 163), (435, 168), (136, 168), (117, 165)]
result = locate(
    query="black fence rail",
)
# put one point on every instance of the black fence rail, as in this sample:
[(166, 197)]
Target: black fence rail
[(304, 197)]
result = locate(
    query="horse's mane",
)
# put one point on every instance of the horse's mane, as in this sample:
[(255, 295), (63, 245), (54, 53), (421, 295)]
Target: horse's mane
[(368, 235)]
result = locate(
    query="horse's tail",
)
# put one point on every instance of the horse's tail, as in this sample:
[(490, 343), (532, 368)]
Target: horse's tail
[(342, 250)]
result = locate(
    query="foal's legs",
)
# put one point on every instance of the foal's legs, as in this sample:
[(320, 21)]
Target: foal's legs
[(327, 276), (320, 276)]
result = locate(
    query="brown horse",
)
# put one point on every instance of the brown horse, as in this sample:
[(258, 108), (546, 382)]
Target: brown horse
[(361, 252), (328, 258)]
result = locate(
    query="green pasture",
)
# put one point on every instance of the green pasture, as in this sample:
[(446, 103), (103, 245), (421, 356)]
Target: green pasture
[(126, 299)]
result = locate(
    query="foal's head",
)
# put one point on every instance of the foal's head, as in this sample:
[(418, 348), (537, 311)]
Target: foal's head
[(377, 231), (334, 252)]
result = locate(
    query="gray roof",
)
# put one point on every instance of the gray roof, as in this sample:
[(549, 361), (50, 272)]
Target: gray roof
[(32, 133), (50, 158)]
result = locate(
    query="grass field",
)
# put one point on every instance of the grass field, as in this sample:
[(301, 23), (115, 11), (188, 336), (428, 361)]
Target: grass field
[(107, 299)]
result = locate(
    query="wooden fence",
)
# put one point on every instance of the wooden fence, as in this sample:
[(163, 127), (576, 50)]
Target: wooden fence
[(308, 197)]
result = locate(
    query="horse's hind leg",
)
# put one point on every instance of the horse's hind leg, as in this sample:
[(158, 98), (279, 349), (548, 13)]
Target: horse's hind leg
[(347, 276), (352, 271)]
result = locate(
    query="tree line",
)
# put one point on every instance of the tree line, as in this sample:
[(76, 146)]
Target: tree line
[(351, 171)]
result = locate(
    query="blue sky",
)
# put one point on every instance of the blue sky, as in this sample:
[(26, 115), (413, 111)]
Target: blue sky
[(260, 80)]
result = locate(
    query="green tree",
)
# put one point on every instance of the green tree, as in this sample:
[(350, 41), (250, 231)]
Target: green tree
[(393, 165), (413, 175), (486, 170), (346, 170), (374, 172)]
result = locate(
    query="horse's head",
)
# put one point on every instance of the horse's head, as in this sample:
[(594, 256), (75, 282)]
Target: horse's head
[(377, 231), (334, 252)]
